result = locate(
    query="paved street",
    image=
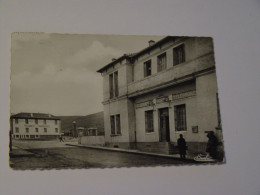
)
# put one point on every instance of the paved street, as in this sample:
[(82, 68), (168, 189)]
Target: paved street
[(54, 154)]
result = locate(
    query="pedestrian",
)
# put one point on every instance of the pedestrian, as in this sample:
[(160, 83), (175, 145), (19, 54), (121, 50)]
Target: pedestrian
[(212, 145), (61, 138), (182, 147)]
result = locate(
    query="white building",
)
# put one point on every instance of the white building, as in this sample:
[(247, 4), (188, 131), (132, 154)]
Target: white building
[(35, 126), (167, 89)]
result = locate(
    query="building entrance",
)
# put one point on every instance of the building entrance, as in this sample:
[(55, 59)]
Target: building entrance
[(164, 130)]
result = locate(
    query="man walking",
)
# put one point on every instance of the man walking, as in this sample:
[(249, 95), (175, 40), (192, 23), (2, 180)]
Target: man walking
[(182, 146)]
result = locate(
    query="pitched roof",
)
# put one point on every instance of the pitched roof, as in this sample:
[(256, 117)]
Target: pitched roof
[(134, 55), (25, 115)]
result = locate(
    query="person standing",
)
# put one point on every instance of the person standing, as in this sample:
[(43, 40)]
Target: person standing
[(212, 145), (182, 147)]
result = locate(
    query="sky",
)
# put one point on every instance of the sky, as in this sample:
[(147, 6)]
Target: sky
[(56, 73)]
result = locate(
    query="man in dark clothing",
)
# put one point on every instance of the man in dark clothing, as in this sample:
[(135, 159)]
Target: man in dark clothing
[(182, 146), (61, 138), (212, 145)]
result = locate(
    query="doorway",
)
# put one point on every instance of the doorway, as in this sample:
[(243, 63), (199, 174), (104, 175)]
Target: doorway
[(164, 130)]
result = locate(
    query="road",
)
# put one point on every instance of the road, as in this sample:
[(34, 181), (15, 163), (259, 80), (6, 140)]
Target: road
[(54, 154)]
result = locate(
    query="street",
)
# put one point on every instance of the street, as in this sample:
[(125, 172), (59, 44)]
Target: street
[(55, 154)]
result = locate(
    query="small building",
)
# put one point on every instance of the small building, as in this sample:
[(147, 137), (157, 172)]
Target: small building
[(167, 89), (35, 126)]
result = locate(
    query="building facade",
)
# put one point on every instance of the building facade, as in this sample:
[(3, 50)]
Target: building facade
[(35, 126), (160, 92)]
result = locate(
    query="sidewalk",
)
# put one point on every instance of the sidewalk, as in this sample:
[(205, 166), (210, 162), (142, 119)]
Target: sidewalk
[(171, 156)]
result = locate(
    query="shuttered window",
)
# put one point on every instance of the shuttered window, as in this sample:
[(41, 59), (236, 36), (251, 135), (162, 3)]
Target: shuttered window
[(149, 121), (118, 125), (180, 117), (112, 121), (161, 62), (178, 55), (111, 85), (116, 83), (115, 124), (147, 68)]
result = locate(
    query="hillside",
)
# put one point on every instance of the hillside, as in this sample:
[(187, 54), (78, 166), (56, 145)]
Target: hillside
[(95, 120)]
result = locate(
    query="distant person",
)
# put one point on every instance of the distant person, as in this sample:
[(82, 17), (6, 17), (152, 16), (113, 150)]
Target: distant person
[(182, 147), (61, 138), (212, 145)]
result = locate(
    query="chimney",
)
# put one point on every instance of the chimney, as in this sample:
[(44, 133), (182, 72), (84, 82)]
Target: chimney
[(151, 42), (49, 115), (31, 114)]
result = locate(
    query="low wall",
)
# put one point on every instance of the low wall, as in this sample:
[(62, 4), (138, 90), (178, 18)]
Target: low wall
[(92, 140)]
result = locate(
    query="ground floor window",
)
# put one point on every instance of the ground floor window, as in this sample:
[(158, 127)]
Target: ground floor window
[(180, 117), (149, 121), (115, 124)]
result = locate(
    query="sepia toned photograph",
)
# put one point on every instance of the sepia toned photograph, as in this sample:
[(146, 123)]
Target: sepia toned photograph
[(103, 101)]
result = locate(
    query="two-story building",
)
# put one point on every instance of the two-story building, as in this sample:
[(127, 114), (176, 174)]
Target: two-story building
[(35, 126), (160, 92)]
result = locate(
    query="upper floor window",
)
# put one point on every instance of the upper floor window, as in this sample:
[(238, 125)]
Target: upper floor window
[(56, 130), (36, 130), (178, 55), (147, 68), (45, 130), (161, 62), (26, 121), (16, 129), (113, 85), (44, 121), (36, 121), (180, 117), (16, 121), (149, 121), (56, 122), (27, 130)]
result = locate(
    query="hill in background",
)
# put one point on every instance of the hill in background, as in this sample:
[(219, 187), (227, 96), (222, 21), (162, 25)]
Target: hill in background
[(95, 120)]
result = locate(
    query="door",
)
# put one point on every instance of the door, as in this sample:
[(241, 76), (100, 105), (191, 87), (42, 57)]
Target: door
[(164, 130)]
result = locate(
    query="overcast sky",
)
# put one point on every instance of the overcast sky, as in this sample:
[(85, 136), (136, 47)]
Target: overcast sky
[(56, 73)]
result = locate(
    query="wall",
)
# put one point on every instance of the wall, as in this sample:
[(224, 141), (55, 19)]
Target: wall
[(198, 54), (92, 140), (191, 113), (50, 125), (207, 103), (113, 108), (124, 77)]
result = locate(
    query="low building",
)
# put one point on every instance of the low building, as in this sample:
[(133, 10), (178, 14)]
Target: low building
[(167, 89), (35, 126)]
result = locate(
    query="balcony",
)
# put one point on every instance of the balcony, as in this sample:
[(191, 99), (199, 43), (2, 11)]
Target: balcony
[(171, 76)]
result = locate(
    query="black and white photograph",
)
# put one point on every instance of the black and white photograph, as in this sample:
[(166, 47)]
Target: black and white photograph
[(102, 101)]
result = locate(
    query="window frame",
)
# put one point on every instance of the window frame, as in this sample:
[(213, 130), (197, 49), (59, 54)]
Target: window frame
[(146, 63), (180, 117), (115, 125), (176, 55), (149, 122), (159, 62)]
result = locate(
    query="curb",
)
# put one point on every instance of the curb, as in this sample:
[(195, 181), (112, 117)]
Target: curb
[(134, 152)]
